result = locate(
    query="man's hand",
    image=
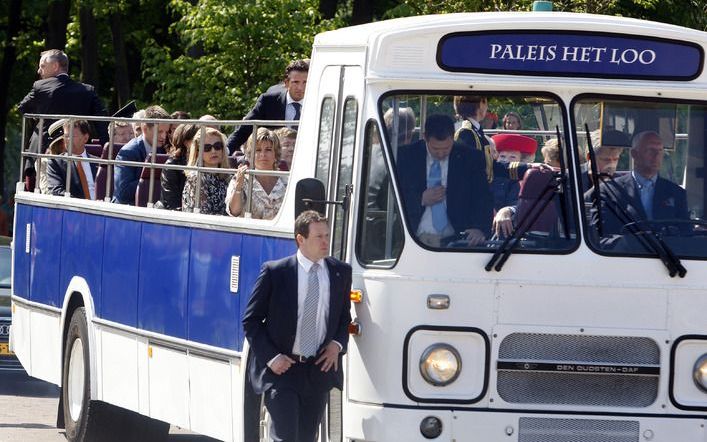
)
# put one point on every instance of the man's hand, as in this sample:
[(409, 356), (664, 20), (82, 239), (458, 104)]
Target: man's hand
[(433, 195), (329, 357), (281, 364), (503, 222), (475, 236)]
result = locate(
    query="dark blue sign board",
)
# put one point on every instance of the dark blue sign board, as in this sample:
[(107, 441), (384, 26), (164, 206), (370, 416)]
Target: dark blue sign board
[(575, 54)]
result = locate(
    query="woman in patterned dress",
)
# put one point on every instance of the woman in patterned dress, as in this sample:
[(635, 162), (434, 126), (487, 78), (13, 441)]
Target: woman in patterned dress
[(213, 185), (267, 191)]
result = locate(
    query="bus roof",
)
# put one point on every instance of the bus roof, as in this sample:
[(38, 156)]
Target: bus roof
[(394, 47)]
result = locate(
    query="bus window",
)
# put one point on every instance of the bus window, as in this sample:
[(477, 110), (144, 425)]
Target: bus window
[(326, 131), (650, 171), (380, 238), (479, 178), (345, 175)]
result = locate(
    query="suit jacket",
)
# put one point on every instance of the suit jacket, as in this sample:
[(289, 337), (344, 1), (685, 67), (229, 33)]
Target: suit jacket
[(270, 106), (62, 95), (56, 177), (669, 202), (469, 199), (270, 320), (127, 177)]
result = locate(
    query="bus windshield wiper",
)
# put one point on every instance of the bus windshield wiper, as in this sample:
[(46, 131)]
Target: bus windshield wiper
[(647, 237), (555, 184)]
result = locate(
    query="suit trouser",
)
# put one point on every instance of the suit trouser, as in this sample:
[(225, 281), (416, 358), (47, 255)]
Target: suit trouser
[(296, 408)]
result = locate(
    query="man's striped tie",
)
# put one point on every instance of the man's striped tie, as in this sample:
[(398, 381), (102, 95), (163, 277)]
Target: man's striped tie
[(308, 327)]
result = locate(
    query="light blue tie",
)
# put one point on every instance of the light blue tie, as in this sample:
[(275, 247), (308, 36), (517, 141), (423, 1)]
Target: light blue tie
[(439, 210), (647, 198), (308, 327)]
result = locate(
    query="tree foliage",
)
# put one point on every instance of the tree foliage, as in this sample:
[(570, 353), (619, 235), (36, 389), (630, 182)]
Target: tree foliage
[(229, 51)]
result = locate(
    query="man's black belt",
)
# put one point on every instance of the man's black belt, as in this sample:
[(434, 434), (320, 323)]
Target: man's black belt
[(302, 359)]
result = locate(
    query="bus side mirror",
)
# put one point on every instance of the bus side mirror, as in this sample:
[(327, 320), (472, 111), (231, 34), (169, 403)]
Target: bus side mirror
[(310, 195)]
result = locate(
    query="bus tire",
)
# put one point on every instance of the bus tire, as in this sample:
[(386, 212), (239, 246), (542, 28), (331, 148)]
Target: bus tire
[(81, 415)]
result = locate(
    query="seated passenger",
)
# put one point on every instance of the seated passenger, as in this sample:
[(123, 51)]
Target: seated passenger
[(267, 192), (512, 121), (138, 150), (641, 194), (287, 138), (607, 151), (83, 173), (444, 187), (122, 132), (511, 148), (406, 124), (172, 180), (551, 153), (213, 185)]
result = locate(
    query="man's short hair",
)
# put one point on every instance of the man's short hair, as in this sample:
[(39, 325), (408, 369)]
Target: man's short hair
[(305, 219), (551, 150), (155, 111), (284, 133), (641, 136), (297, 65), (466, 106), (82, 125), (439, 126), (55, 55)]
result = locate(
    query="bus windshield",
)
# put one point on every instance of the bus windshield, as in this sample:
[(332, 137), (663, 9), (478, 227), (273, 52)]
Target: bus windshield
[(649, 175), (463, 170)]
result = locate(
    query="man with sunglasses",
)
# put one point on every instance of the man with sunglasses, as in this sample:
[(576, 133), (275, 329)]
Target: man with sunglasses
[(138, 150)]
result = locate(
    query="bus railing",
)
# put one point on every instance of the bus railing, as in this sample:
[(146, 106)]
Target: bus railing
[(251, 172)]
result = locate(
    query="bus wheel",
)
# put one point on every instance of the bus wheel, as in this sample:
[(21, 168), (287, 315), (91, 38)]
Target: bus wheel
[(80, 413)]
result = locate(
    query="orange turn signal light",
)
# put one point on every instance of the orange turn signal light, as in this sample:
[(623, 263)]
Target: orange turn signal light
[(356, 296), (355, 328)]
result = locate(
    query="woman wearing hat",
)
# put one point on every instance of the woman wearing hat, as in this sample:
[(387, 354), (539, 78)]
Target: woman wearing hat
[(512, 150)]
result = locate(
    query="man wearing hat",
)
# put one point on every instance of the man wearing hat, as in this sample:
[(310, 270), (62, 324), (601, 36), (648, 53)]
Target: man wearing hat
[(56, 93), (83, 173), (512, 150)]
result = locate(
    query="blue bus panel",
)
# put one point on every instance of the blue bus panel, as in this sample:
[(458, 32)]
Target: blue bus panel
[(166, 279)]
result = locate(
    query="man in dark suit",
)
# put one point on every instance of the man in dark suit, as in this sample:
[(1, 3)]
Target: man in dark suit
[(444, 186), (137, 150), (296, 323), (641, 194), (278, 103), (56, 93), (83, 173)]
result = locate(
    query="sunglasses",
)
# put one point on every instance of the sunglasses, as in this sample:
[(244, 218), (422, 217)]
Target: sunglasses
[(216, 146)]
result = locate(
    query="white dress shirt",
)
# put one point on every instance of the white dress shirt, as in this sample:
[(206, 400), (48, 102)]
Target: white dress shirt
[(90, 179), (290, 109), (303, 266)]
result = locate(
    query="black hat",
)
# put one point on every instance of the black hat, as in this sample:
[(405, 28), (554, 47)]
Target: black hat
[(126, 111), (614, 138)]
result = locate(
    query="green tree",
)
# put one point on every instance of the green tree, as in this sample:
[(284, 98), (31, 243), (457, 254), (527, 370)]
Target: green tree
[(229, 51)]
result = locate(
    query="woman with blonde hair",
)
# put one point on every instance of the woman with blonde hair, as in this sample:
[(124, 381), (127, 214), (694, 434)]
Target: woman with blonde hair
[(267, 192), (213, 185)]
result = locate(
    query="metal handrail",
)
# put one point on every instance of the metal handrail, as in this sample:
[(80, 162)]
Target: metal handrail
[(199, 169)]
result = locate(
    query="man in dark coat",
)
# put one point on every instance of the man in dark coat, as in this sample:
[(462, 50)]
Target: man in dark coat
[(83, 173), (296, 323), (444, 186), (56, 93), (280, 102)]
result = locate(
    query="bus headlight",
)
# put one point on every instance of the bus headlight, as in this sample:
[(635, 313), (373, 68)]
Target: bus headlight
[(699, 372), (440, 364)]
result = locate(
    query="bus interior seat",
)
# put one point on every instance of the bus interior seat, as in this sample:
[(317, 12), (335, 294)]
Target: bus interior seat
[(102, 174), (531, 189), (143, 186)]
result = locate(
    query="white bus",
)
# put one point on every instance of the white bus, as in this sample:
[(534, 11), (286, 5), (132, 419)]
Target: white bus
[(588, 324)]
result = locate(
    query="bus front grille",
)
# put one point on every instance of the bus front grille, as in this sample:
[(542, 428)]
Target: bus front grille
[(609, 371), (576, 430)]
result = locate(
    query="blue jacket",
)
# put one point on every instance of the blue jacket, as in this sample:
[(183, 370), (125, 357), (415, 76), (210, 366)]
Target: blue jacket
[(126, 177)]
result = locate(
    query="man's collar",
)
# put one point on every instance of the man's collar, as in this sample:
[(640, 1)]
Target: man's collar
[(640, 179), (290, 100), (60, 74), (305, 262)]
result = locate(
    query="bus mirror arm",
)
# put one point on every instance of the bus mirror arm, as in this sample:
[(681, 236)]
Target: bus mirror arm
[(561, 184)]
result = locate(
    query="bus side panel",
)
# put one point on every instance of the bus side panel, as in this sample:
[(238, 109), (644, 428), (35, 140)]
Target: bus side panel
[(82, 252), (121, 262), (20, 276), (164, 272), (258, 249), (213, 309), (46, 256)]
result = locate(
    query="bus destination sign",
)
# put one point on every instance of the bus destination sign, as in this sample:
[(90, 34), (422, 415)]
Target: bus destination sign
[(576, 54)]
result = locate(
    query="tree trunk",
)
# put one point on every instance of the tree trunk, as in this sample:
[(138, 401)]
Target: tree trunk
[(327, 8), (89, 46), (8, 60), (57, 21), (362, 12), (122, 79)]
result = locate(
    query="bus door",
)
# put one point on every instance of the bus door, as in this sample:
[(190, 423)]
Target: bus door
[(340, 92)]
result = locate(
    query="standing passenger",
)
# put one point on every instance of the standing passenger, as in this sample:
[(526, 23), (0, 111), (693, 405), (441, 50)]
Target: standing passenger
[(296, 324), (472, 110)]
